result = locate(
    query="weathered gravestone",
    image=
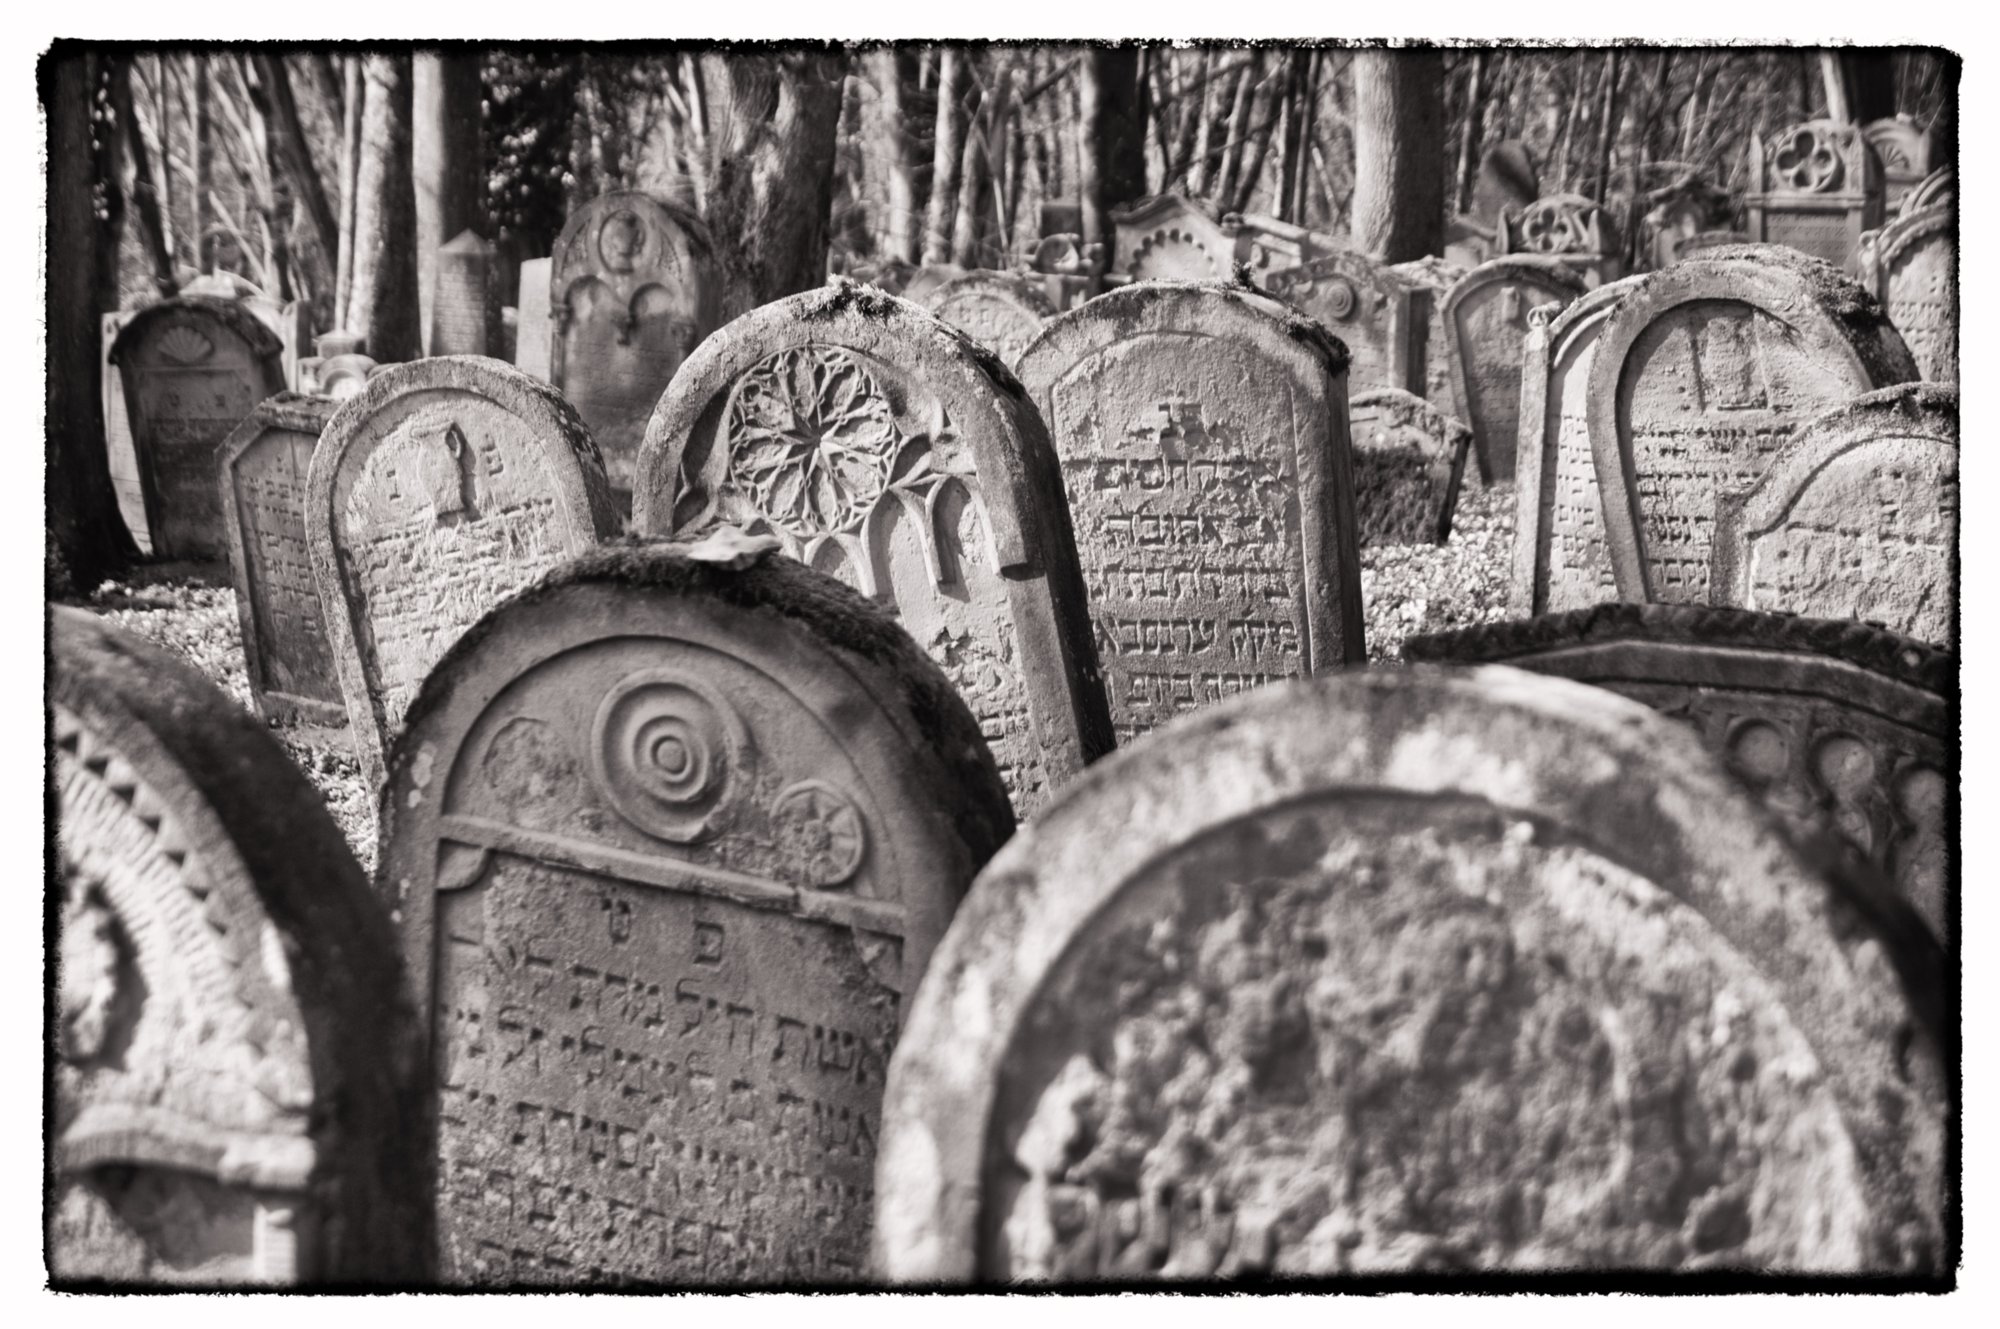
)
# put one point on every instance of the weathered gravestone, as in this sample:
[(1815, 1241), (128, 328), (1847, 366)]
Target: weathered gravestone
[(1381, 319), (1842, 729), (534, 351), (236, 1088), (1000, 310), (1817, 186), (1572, 228), (1486, 322), (1204, 444), (1712, 240), (672, 840), (1700, 375), (1857, 517), (883, 447), (465, 313), (344, 376), (1559, 557), (1510, 977), (1939, 187), (632, 292), (1911, 265), (1676, 215), (192, 369), (1905, 154), (1409, 459), (447, 484), (1431, 279), (263, 476), (1171, 237), (121, 454)]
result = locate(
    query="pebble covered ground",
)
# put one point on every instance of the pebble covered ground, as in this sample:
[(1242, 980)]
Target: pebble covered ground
[(1405, 590)]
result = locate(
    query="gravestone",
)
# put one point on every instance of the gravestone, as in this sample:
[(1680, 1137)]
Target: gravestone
[(1508, 978), (673, 835), (1382, 320), (1816, 187), (1843, 730), (1560, 561), (1486, 321), (465, 314), (1939, 187), (446, 485), (1574, 229), (192, 369), (264, 467), (345, 376), (1266, 245), (1430, 280), (633, 291), (880, 445), (234, 1096), (1905, 154), (1506, 183), (1856, 517), (1685, 210), (1409, 458), (290, 321), (121, 453), (533, 337), (1001, 311), (1712, 240), (1204, 444), (1700, 375), (1171, 237), (923, 282), (1911, 265)]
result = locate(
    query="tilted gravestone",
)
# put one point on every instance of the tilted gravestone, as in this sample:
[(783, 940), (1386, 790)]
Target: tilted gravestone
[(1486, 322), (1409, 460), (1510, 977), (1204, 444), (465, 313), (672, 836), (1381, 319), (121, 454), (446, 485), (883, 447), (1559, 557), (632, 293), (235, 1096), (1700, 375), (1856, 517), (1816, 187), (1905, 154), (192, 369), (1842, 729), (1000, 310), (1575, 229), (1911, 265), (263, 477), (1170, 237)]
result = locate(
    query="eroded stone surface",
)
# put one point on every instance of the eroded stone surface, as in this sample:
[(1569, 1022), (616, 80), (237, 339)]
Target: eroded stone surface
[(1171, 238), (1912, 267), (1905, 154), (534, 345), (1432, 279), (1204, 445), (1486, 321), (999, 310), (1381, 319), (672, 838), (1818, 187), (1409, 460), (1572, 228), (235, 1086)]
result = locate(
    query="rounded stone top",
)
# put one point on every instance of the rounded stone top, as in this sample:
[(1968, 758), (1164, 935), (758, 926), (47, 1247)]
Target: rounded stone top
[(233, 316), (1125, 309)]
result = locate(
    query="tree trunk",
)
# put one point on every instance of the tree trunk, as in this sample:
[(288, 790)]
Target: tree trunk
[(139, 184), (1262, 120), (203, 211), (1203, 164), (1607, 125), (948, 146), (383, 302), (84, 527), (1469, 139), (974, 177), (293, 150), (1193, 123), (1239, 123), (1398, 154), (352, 99), (904, 240), (447, 161)]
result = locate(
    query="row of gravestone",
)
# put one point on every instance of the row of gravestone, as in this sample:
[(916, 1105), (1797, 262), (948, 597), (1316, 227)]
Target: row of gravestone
[(676, 969)]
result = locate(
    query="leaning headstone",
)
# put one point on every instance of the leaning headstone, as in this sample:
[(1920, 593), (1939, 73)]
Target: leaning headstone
[(465, 313), (1001, 311), (1911, 265), (1816, 187), (192, 370), (1578, 231), (121, 453), (673, 835), (1905, 154), (1171, 237), (1486, 322), (1204, 444), (881, 446), (633, 291), (1700, 375), (447, 484), (1381, 319), (235, 1096), (1842, 729), (1856, 517), (533, 336), (1505, 975), (1409, 460), (264, 468)]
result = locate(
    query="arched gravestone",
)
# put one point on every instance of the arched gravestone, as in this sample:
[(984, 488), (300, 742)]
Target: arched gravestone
[(1001, 311), (1842, 729), (1570, 227), (445, 485), (263, 476), (1172, 238), (1857, 517), (1381, 319), (882, 446), (1905, 154), (236, 1088), (1204, 445), (672, 836), (632, 293), (1818, 186), (192, 370), (1559, 556), (1510, 977), (1485, 323), (1911, 265), (1409, 459), (1700, 375)]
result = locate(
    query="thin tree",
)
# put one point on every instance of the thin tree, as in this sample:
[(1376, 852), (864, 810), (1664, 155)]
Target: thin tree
[(947, 147), (382, 306), (1398, 153)]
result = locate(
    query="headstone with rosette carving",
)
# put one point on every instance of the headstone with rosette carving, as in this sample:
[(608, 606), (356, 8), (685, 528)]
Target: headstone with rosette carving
[(1486, 323), (880, 445), (1002, 311), (236, 1090), (1912, 267), (1816, 187), (672, 836)]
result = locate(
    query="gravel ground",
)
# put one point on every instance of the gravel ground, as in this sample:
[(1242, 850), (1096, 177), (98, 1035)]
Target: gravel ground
[(1405, 590)]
